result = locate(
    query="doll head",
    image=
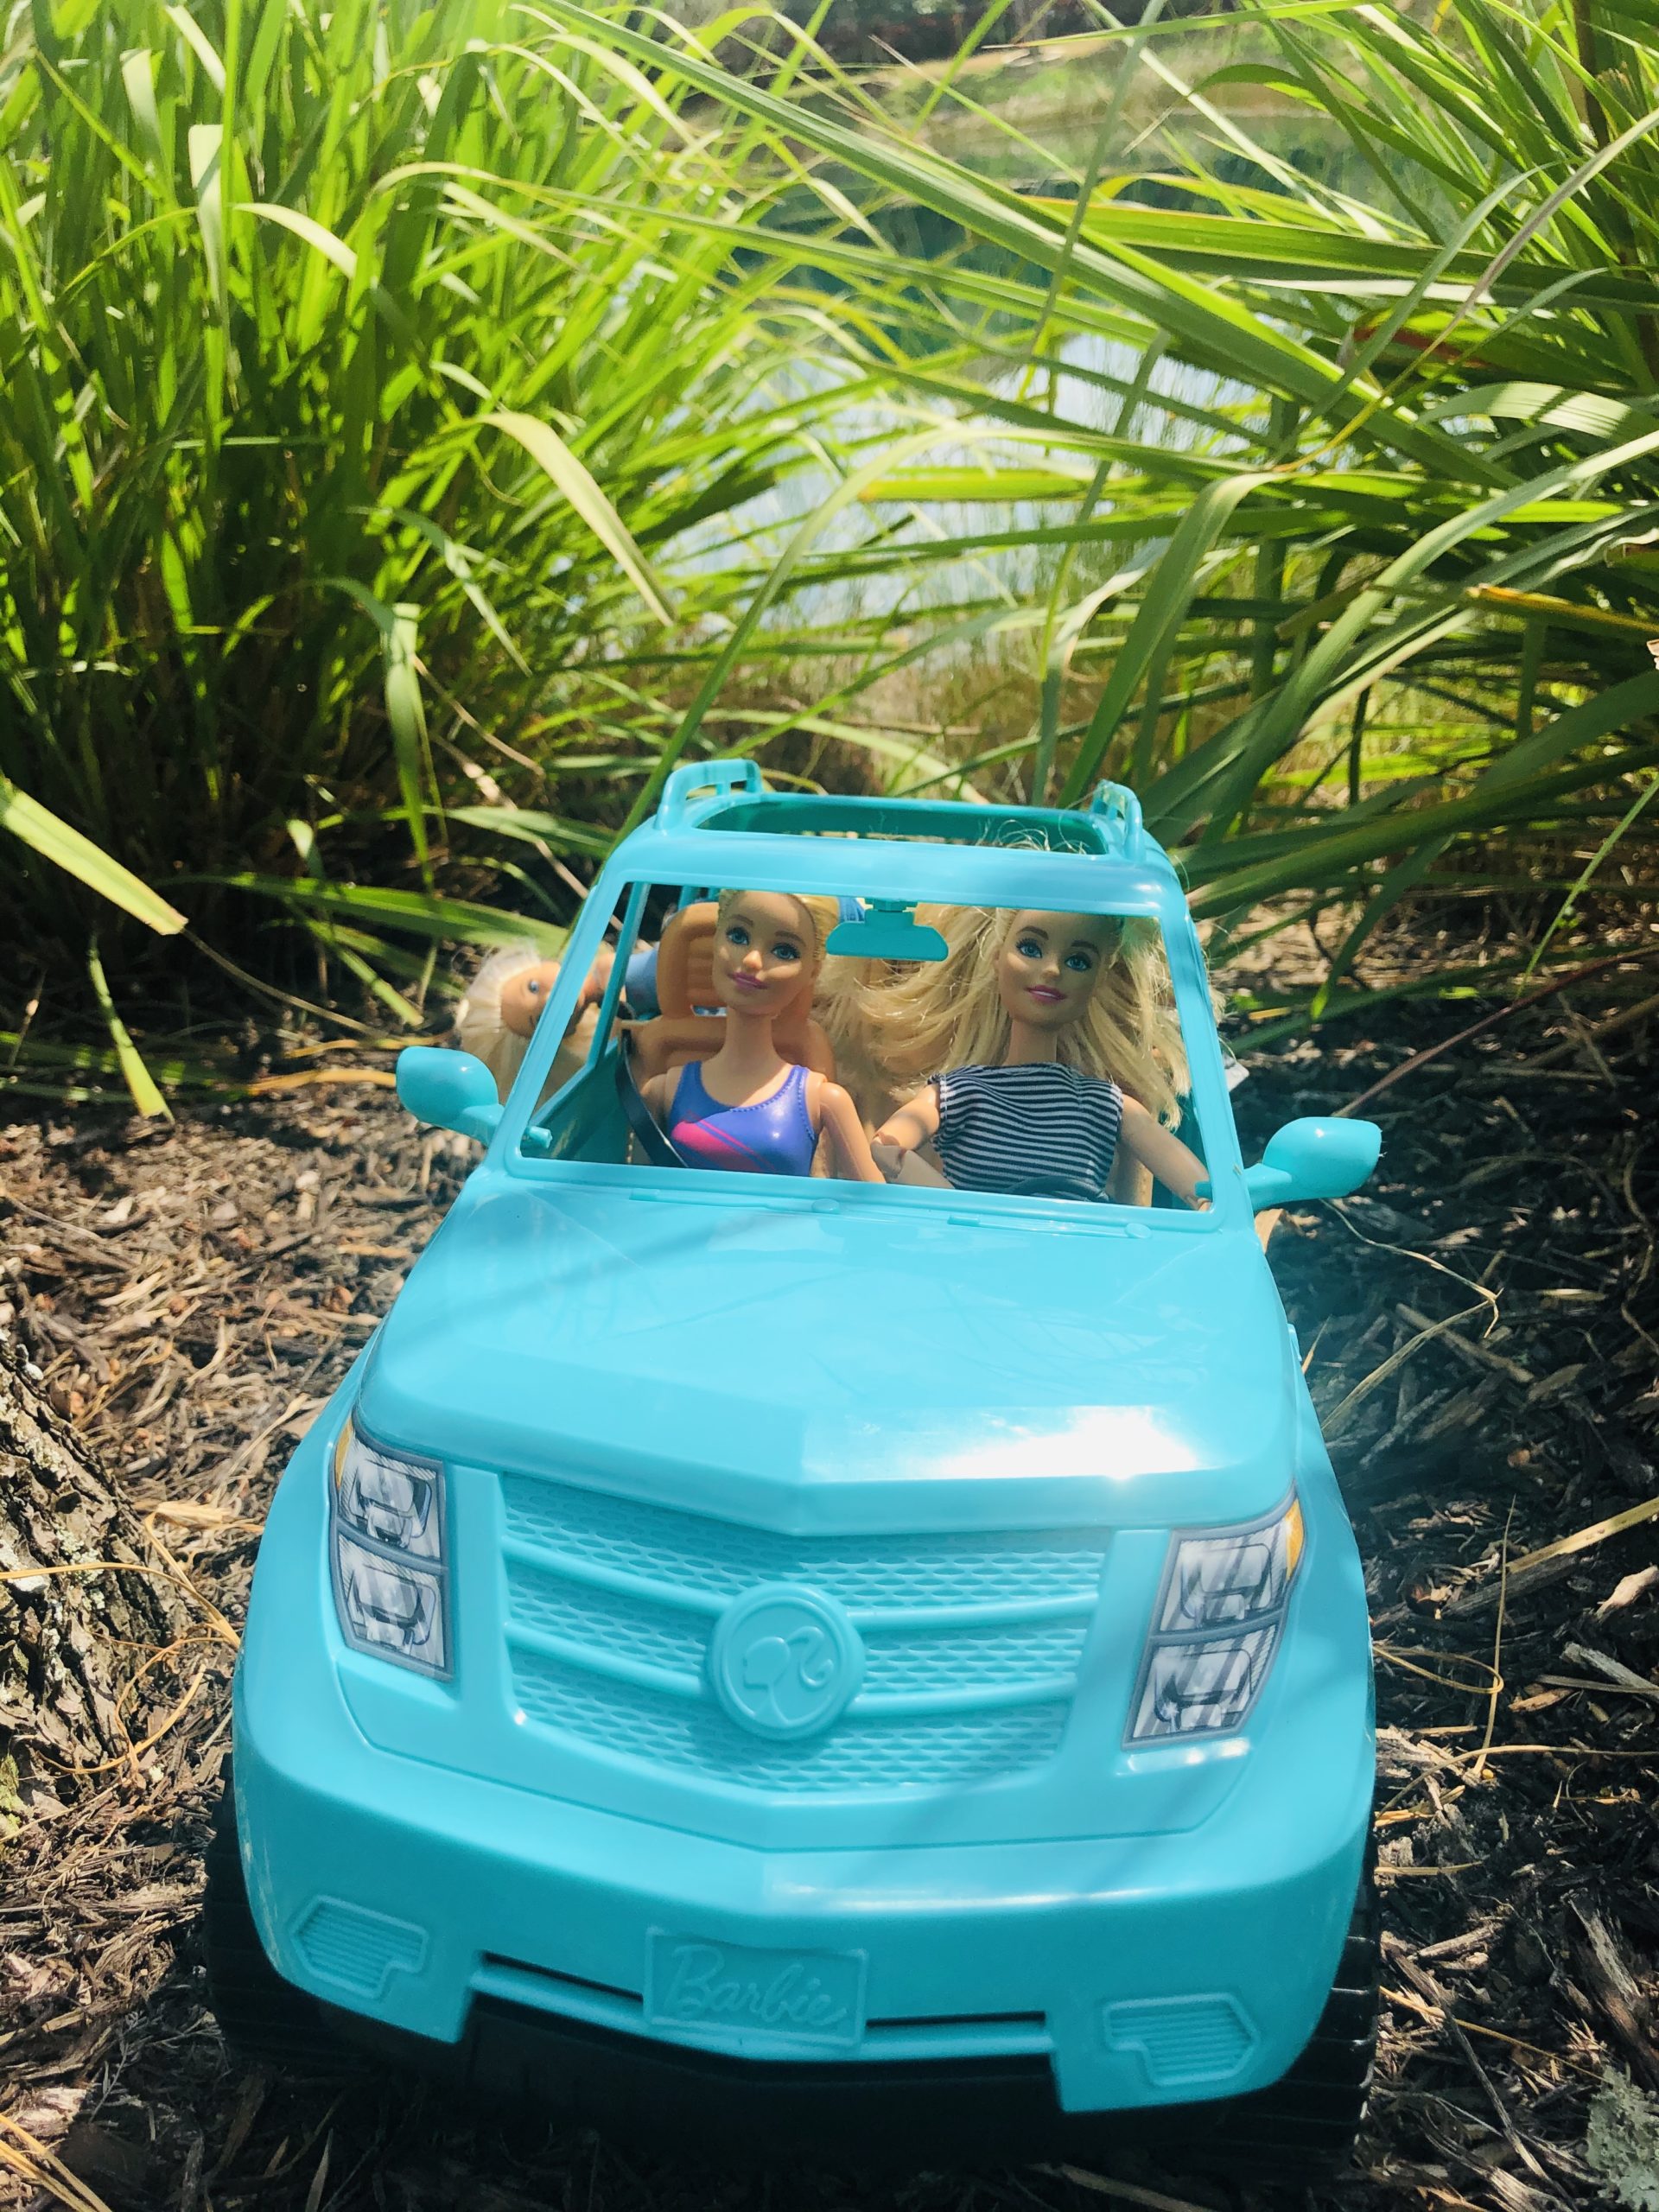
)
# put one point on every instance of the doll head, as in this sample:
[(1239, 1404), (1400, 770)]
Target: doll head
[(480, 1020), (525, 992), (768, 947), (503, 1000), (1113, 1014), (1048, 966)]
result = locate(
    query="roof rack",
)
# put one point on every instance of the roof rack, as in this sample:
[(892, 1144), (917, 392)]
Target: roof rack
[(731, 797), (1116, 809), (711, 782)]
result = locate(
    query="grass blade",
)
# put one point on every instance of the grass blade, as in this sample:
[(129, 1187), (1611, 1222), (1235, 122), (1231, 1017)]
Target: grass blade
[(146, 1098), (78, 856)]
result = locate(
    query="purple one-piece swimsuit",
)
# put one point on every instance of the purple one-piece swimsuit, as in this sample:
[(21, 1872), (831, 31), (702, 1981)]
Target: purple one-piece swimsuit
[(772, 1138)]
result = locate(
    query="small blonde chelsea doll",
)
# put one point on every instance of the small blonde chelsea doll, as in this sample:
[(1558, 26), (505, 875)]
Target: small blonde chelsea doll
[(1056, 1051), (504, 1001)]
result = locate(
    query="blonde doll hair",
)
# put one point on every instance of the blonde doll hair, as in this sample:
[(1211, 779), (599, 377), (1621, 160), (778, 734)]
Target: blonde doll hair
[(480, 1030), (947, 1013), (839, 998)]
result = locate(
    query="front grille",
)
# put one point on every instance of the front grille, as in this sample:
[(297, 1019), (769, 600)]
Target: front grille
[(689, 1553), (972, 1641), (922, 1753)]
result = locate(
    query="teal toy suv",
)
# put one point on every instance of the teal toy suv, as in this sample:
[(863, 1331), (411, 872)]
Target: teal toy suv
[(832, 1664)]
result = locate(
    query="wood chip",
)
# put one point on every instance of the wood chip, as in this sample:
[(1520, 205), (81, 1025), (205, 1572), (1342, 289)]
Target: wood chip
[(1551, 1560), (1616, 1986), (1626, 1590), (1612, 1670)]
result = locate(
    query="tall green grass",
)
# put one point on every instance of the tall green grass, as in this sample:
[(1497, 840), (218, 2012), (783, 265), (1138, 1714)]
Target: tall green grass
[(420, 428), (364, 373), (1346, 459)]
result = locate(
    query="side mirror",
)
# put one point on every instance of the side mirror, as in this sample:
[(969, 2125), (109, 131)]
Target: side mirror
[(1313, 1159), (451, 1090)]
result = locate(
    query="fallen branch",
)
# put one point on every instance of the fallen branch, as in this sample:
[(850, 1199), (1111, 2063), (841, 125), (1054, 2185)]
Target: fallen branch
[(1332, 1423), (1425, 1985), (1611, 1027), (31, 2161), (1130, 2192), (271, 1086), (1616, 1987), (1621, 1676), (1551, 1561)]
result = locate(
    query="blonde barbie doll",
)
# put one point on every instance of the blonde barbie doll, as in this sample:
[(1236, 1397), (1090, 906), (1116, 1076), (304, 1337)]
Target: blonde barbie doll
[(1051, 1051), (746, 1107)]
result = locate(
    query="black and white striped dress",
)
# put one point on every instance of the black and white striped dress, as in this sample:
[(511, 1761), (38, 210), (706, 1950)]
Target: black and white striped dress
[(1000, 1127)]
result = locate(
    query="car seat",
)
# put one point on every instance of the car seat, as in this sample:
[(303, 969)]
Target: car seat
[(685, 982)]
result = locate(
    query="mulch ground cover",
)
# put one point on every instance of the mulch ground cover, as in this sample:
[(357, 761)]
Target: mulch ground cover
[(1480, 1333)]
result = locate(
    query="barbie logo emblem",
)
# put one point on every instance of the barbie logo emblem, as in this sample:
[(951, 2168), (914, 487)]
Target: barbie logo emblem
[(801, 1996), (784, 1661)]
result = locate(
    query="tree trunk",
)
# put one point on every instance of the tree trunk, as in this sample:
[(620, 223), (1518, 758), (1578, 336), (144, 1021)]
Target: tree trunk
[(73, 1645)]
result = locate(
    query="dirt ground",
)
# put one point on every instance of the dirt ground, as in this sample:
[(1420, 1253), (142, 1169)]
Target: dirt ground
[(1480, 1332)]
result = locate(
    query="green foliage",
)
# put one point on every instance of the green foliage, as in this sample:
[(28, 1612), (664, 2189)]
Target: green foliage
[(1352, 456), (1623, 2144), (361, 370), (426, 426)]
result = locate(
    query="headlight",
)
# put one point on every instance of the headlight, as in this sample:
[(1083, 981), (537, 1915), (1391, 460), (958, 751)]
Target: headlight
[(1216, 1627), (1219, 1580), (387, 1551), (386, 1498)]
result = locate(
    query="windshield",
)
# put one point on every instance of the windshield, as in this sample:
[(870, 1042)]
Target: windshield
[(1021, 1052)]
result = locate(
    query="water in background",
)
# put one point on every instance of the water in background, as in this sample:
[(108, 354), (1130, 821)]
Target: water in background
[(1035, 125)]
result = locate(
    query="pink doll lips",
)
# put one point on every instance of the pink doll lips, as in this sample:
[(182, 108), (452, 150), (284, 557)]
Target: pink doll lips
[(1048, 997)]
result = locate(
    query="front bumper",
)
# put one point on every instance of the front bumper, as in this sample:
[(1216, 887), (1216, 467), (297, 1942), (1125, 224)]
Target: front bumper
[(1105, 1975)]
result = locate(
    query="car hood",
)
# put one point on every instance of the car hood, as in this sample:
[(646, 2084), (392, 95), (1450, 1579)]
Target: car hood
[(813, 1364)]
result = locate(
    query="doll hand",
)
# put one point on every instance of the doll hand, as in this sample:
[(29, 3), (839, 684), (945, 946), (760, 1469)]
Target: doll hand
[(889, 1158), (598, 975)]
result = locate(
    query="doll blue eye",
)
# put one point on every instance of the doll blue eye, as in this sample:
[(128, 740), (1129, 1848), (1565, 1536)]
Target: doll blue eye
[(1029, 948), (736, 934), (786, 953), (1082, 961)]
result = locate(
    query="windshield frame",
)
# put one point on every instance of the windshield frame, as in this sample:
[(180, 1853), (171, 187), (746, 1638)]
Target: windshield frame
[(1007, 878)]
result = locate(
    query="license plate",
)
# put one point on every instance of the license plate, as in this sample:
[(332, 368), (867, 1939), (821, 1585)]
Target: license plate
[(814, 1997)]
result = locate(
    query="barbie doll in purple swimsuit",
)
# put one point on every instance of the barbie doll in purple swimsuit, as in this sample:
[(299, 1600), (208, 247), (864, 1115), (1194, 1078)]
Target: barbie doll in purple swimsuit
[(747, 1108)]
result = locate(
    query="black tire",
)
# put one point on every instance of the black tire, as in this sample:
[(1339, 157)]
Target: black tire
[(264, 2018), (1302, 2127)]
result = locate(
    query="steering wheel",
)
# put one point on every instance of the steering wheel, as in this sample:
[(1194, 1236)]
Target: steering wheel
[(654, 1141), (1054, 1186)]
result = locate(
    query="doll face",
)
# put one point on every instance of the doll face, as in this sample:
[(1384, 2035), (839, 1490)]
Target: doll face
[(765, 945), (524, 997), (1049, 965)]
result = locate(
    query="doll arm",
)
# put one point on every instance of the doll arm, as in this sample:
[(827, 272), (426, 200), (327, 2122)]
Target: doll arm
[(658, 1090), (598, 975), (836, 1113), (894, 1147), (1177, 1168), (913, 1122)]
